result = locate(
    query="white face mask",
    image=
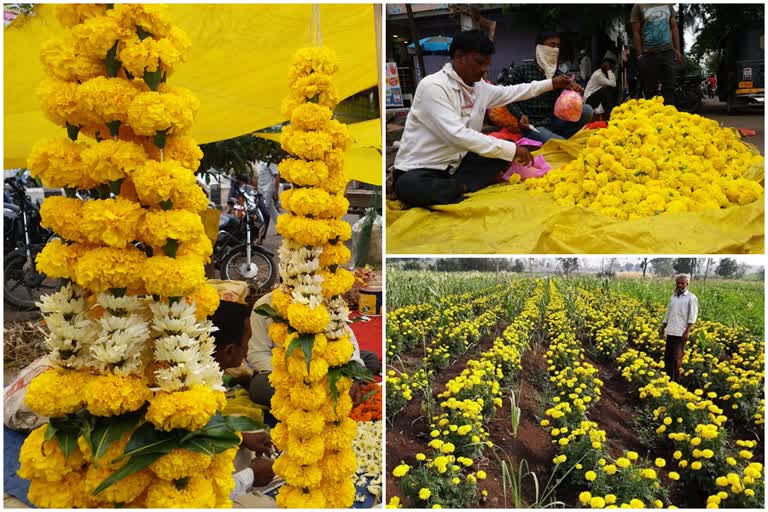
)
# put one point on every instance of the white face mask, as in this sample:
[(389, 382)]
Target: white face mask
[(546, 57)]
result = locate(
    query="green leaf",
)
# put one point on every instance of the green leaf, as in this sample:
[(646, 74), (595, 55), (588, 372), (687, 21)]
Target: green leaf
[(304, 341), (114, 128), (111, 63), (268, 311), (199, 445), (109, 430), (70, 192), (166, 205), (72, 131), (114, 186), (118, 292), (153, 78), (136, 464), (356, 371), (148, 440), (334, 375), (104, 191), (243, 423), (67, 440), (143, 34), (171, 247), (160, 138), (50, 431)]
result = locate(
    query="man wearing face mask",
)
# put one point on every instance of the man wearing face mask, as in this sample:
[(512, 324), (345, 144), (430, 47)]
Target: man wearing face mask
[(536, 116), (443, 153)]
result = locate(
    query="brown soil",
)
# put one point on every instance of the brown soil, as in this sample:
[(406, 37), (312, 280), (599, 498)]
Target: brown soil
[(409, 433)]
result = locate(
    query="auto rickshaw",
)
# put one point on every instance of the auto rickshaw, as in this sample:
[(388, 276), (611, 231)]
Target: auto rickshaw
[(740, 74)]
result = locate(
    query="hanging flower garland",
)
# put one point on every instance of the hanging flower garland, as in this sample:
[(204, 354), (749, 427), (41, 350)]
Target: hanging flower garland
[(134, 381), (311, 360)]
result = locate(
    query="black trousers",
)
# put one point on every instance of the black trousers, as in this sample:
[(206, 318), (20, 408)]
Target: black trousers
[(605, 96), (427, 187), (673, 357), (659, 67)]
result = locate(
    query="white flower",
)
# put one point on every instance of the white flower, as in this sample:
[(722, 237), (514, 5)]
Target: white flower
[(67, 301), (177, 349), (368, 446), (121, 306), (69, 352)]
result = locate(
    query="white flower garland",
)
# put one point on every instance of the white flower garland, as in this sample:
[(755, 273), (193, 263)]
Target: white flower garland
[(339, 311), (71, 333), (367, 447), (184, 346)]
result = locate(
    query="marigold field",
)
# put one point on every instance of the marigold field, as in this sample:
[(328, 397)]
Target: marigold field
[(515, 392)]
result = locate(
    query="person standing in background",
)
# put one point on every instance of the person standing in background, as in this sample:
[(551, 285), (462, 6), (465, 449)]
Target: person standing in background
[(268, 184), (682, 312), (656, 40), (601, 93)]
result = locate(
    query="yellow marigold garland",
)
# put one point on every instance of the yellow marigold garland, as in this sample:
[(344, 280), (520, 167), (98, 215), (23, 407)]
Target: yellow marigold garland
[(318, 474), (125, 127)]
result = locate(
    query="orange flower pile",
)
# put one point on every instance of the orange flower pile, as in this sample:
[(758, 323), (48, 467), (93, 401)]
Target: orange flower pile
[(371, 409)]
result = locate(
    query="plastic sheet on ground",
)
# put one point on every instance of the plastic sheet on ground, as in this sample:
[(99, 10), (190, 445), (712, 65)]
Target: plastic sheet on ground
[(507, 219), (238, 65)]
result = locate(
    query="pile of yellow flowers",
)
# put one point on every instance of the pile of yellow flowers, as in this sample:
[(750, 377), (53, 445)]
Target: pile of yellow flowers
[(128, 329), (652, 159), (310, 333)]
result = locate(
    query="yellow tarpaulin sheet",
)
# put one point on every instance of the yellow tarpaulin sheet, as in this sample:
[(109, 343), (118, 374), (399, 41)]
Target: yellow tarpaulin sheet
[(507, 219), (238, 66), (363, 160)]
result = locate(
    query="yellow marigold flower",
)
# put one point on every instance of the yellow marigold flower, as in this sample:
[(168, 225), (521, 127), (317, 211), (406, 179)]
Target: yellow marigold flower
[(696, 465), (424, 493), (674, 475), (172, 111), (308, 320), (123, 491), (590, 476), (585, 497), (111, 222), (401, 470), (610, 469), (180, 463), (481, 475), (113, 395), (103, 268), (189, 410), (660, 462), (43, 460), (622, 462), (172, 277), (57, 392), (58, 163), (196, 492), (597, 502), (70, 492)]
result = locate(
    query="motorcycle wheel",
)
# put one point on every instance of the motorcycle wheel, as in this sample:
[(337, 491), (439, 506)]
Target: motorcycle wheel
[(23, 287), (260, 277)]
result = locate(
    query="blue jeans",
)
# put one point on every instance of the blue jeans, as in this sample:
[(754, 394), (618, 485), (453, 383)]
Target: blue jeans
[(559, 129)]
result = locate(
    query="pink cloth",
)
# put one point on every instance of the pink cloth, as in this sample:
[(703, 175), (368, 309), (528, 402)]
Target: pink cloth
[(539, 168)]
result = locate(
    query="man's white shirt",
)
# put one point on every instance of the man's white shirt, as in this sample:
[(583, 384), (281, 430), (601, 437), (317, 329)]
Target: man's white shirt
[(260, 345), (443, 126), (681, 311), (597, 81)]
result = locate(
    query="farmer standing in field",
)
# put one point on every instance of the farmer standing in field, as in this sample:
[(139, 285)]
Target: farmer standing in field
[(682, 311)]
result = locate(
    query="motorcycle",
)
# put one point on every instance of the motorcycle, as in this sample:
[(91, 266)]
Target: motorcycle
[(24, 238), (688, 95), (245, 261)]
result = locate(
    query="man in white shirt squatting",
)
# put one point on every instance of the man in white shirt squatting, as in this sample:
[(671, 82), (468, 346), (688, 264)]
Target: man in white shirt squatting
[(443, 153), (601, 90), (682, 311)]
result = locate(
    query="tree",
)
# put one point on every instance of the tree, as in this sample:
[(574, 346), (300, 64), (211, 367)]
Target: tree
[(685, 265), (715, 21), (741, 271), (234, 155), (644, 265), (727, 268), (662, 267), (518, 267), (568, 265)]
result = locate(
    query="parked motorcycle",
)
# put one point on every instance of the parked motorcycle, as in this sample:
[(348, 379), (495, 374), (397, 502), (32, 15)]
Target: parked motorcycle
[(24, 238), (238, 253), (688, 95)]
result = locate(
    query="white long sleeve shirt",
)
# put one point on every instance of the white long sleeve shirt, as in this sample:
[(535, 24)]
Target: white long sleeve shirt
[(260, 345), (682, 310), (597, 81), (443, 125)]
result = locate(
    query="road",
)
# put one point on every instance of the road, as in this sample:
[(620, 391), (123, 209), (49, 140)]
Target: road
[(754, 120)]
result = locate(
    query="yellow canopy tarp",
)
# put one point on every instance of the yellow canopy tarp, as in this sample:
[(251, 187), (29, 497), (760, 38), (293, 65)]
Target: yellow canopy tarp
[(363, 159), (507, 219), (238, 67)]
